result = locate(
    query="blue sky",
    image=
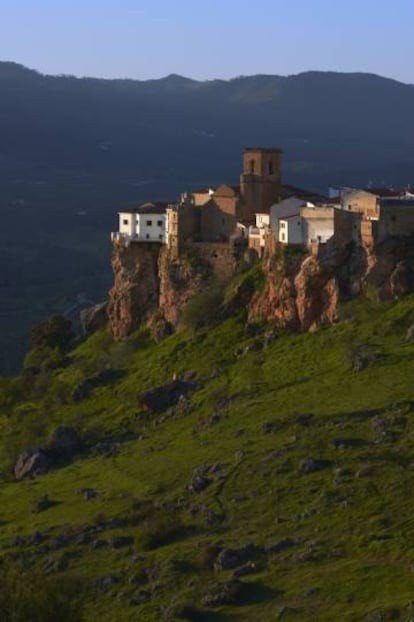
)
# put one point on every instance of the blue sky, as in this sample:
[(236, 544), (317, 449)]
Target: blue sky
[(208, 39)]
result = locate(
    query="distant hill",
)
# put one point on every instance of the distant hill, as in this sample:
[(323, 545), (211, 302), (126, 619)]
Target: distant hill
[(332, 126), (73, 151)]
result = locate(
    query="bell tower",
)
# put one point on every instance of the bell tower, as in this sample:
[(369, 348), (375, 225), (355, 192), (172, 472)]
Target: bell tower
[(260, 181)]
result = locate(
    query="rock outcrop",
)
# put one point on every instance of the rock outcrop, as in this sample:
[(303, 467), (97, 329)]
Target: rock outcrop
[(93, 318), (303, 291), (154, 284), (181, 278), (31, 463), (135, 293), (391, 267)]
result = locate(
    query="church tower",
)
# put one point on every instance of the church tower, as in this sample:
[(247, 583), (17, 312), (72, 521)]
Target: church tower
[(260, 181)]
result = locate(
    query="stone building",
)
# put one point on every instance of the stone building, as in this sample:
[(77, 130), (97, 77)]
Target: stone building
[(260, 181), (362, 202), (396, 218)]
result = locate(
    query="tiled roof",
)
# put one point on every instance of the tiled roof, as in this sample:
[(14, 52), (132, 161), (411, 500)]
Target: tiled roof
[(203, 191), (148, 208), (385, 192), (301, 193)]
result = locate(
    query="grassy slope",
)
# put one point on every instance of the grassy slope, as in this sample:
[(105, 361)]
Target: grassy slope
[(358, 529)]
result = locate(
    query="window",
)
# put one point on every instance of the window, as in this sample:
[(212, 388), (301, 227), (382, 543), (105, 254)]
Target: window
[(159, 223), (147, 236), (160, 236), (125, 221), (283, 237), (283, 225), (270, 168), (149, 223), (252, 166)]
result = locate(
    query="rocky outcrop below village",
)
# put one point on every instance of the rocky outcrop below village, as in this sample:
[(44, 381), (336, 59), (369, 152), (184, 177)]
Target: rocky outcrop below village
[(135, 292), (301, 290), (153, 284)]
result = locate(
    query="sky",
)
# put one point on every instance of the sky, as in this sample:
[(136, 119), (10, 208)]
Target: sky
[(207, 39)]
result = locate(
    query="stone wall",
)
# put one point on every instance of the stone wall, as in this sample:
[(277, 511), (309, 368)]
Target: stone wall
[(396, 220)]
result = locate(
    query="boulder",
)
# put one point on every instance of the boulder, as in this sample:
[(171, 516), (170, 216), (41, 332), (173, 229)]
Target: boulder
[(199, 483), (163, 397), (228, 559), (94, 318), (410, 333), (43, 504), (222, 594), (309, 465), (160, 329), (249, 568), (64, 443), (119, 542), (31, 463), (280, 546)]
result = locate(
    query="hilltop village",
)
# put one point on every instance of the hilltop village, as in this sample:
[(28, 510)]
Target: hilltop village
[(315, 251), (263, 211)]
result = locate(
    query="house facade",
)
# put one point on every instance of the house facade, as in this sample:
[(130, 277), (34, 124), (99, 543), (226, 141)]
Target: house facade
[(147, 223)]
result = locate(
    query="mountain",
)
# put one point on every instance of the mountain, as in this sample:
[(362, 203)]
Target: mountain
[(74, 151)]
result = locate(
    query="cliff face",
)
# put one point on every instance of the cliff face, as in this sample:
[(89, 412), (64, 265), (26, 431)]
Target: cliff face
[(301, 293), (135, 292), (391, 267), (153, 283), (180, 279)]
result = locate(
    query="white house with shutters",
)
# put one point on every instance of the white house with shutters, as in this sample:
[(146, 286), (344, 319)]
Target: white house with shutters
[(147, 223)]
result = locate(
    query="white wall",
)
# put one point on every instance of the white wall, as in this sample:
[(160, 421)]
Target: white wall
[(127, 223), (290, 230), (287, 207), (151, 227), (318, 224), (262, 220)]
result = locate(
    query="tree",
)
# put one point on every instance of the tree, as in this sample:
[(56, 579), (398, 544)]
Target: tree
[(56, 332)]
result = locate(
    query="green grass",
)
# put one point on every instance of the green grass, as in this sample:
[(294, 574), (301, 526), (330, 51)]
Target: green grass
[(354, 524)]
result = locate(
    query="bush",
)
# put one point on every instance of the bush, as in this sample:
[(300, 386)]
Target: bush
[(161, 530), (205, 308), (26, 595), (56, 332)]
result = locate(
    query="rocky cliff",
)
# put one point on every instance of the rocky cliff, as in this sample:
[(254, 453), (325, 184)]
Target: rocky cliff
[(303, 291), (135, 293), (300, 292), (154, 284)]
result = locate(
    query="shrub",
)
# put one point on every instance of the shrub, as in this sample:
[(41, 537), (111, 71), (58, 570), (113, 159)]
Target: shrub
[(161, 530), (26, 595), (56, 332), (205, 308)]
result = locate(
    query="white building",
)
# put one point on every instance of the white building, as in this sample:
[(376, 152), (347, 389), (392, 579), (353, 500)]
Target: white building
[(316, 225), (285, 209), (257, 233), (147, 223), (290, 230)]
